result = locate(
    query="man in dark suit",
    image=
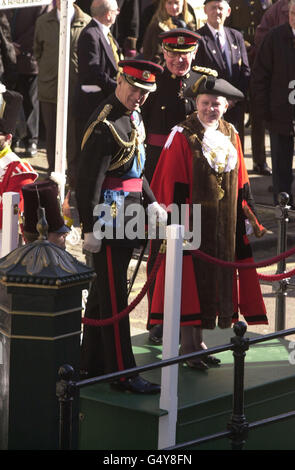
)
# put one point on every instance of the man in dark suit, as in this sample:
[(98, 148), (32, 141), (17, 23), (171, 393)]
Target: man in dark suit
[(223, 49), (98, 55), (245, 17), (126, 28), (272, 82)]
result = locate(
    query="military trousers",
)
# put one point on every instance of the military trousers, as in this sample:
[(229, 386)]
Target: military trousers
[(108, 348)]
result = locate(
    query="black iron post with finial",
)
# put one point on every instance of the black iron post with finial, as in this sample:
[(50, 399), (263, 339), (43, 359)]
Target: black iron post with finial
[(238, 424), (282, 216), (65, 392), (42, 225)]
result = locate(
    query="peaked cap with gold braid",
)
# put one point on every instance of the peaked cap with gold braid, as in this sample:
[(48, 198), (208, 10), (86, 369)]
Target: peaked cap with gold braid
[(180, 40), (138, 73)]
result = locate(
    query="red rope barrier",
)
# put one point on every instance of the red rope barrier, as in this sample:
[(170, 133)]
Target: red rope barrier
[(231, 264), (261, 264), (206, 257), (276, 277), (132, 305)]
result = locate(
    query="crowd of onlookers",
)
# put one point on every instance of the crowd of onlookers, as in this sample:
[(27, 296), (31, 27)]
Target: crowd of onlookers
[(254, 51)]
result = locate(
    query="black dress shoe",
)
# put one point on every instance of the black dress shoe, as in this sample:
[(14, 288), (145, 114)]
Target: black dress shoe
[(156, 334), (262, 169), (211, 360), (198, 365), (136, 384), (31, 150)]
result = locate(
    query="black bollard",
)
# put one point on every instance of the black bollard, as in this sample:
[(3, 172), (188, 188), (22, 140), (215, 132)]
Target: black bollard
[(65, 391), (40, 314), (238, 424), (282, 286)]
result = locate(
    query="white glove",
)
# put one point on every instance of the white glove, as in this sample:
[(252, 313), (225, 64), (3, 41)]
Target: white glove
[(156, 213), (91, 244), (249, 228)]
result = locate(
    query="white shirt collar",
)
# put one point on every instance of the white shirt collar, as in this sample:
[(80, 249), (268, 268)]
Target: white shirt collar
[(105, 29), (208, 127), (214, 31)]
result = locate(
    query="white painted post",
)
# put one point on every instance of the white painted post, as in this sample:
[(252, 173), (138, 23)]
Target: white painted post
[(9, 242), (172, 303), (62, 95)]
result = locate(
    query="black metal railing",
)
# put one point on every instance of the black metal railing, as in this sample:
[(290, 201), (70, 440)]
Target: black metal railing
[(282, 213), (238, 427)]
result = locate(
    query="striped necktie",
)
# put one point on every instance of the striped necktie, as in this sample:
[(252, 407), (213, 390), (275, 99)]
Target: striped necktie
[(114, 48), (223, 53)]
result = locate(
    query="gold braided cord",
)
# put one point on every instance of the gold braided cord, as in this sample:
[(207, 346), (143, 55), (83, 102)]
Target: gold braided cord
[(131, 145), (197, 84), (100, 118), (205, 70), (122, 160), (119, 139)]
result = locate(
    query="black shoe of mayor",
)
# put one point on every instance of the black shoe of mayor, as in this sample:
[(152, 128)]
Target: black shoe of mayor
[(136, 384)]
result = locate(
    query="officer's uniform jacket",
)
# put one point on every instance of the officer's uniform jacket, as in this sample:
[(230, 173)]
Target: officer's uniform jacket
[(165, 108), (112, 163), (246, 16)]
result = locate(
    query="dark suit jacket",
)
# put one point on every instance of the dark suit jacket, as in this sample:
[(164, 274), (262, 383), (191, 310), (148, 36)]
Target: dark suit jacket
[(96, 66), (126, 27), (272, 74), (209, 56)]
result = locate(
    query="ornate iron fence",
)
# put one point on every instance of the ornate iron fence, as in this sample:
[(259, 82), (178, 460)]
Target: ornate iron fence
[(238, 427)]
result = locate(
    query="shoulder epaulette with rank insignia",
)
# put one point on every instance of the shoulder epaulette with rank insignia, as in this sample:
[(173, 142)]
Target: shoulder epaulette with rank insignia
[(205, 70), (100, 118)]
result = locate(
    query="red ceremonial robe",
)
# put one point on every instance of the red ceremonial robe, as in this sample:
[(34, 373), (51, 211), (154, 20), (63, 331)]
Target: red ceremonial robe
[(217, 292)]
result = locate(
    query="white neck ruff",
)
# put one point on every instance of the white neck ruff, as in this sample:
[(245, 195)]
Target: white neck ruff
[(219, 151)]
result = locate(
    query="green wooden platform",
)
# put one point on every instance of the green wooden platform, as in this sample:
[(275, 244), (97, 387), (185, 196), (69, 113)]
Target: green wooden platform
[(117, 421)]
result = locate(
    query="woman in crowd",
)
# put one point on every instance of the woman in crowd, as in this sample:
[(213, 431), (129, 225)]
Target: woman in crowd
[(170, 14)]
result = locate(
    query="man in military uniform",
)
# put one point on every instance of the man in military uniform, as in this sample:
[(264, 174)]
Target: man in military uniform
[(111, 177), (245, 17), (166, 107)]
